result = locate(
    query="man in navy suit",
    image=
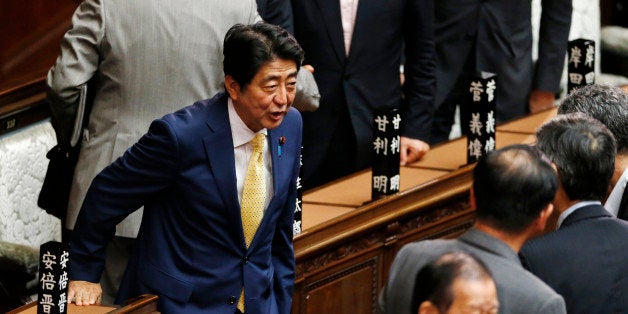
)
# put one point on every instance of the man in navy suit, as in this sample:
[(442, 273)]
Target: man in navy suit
[(188, 173), (585, 260), (355, 48), (609, 105)]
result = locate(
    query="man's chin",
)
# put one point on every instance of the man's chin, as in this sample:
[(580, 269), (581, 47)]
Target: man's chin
[(274, 122)]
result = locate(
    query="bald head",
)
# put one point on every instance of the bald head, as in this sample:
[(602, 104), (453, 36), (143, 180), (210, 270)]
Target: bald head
[(453, 283), (512, 186)]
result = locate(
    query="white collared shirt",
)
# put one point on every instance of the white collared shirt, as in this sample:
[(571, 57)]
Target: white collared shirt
[(348, 11), (614, 199), (572, 209), (243, 149)]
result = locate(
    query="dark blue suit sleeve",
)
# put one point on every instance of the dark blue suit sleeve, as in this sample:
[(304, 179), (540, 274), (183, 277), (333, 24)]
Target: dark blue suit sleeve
[(419, 69), (124, 186)]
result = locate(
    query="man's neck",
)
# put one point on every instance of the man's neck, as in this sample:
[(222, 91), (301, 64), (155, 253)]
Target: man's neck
[(514, 241)]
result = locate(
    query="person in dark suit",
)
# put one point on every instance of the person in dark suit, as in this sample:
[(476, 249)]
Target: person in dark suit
[(609, 105), (454, 283), (512, 192), (355, 48), (584, 260), (496, 36), (278, 12), (195, 248)]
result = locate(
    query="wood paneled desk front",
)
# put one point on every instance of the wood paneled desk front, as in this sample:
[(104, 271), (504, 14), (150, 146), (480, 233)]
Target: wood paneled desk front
[(348, 241)]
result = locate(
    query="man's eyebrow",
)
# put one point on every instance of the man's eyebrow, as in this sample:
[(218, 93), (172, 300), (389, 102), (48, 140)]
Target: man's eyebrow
[(271, 77)]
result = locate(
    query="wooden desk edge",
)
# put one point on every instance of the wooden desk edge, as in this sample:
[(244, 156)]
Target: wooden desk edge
[(146, 303), (335, 231)]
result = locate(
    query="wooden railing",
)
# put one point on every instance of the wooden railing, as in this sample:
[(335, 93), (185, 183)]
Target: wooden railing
[(348, 242)]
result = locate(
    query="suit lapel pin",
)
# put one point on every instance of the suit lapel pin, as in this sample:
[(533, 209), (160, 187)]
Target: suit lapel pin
[(282, 140)]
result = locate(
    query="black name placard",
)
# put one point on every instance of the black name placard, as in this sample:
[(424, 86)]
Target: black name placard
[(53, 278), (480, 119), (386, 148), (580, 64), (298, 210)]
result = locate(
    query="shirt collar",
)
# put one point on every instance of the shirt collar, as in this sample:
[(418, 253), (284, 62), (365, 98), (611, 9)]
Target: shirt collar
[(614, 199), (240, 133), (573, 208)]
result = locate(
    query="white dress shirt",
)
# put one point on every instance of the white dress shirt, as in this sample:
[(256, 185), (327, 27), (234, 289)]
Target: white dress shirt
[(614, 199), (243, 149), (348, 11)]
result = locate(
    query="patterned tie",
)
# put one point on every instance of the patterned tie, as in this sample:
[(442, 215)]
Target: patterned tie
[(253, 196)]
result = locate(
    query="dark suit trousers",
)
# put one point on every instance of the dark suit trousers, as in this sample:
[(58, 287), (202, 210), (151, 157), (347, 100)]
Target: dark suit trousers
[(340, 158), (444, 114)]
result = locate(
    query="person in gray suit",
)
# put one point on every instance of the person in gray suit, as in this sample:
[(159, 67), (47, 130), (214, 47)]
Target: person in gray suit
[(512, 192), (144, 58), (586, 258), (496, 36)]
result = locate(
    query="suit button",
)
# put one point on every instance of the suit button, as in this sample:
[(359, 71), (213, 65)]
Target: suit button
[(246, 259), (232, 300)]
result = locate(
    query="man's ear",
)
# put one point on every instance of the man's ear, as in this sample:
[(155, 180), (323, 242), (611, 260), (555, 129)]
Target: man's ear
[(232, 87), (428, 307), (545, 214)]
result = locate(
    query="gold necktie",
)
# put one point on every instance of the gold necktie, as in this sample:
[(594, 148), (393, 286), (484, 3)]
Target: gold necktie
[(253, 196)]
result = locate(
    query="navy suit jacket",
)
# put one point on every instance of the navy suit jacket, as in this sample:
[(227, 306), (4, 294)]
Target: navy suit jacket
[(585, 261), (368, 78), (190, 249)]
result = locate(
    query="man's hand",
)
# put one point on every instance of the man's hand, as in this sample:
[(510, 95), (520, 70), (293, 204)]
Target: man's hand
[(84, 292), (541, 100), (309, 68), (412, 150)]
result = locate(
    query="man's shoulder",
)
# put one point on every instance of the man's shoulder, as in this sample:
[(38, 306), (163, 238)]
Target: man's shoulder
[(202, 114), (417, 254), (522, 289)]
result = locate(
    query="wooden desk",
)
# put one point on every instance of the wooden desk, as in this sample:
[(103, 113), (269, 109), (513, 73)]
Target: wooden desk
[(348, 243), (355, 190), (145, 304), (72, 309), (528, 124)]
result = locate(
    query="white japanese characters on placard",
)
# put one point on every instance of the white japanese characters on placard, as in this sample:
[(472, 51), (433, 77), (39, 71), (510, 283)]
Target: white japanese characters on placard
[(575, 56), (590, 56), (298, 212), (477, 90), (386, 149), (581, 64), (481, 118), (53, 278)]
